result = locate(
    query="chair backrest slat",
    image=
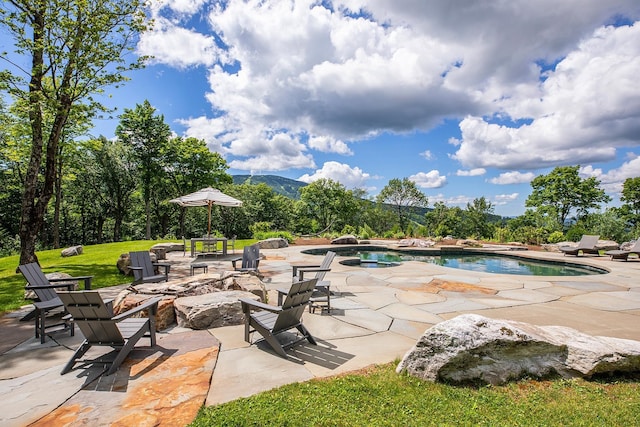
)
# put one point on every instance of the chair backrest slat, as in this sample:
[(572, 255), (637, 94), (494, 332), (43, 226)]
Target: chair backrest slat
[(36, 277), (142, 259), (326, 263), (93, 316), (251, 256), (294, 305)]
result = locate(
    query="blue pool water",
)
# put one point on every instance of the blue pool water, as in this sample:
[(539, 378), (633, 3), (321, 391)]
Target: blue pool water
[(481, 262)]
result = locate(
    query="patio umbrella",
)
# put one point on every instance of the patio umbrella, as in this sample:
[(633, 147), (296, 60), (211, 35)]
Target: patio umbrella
[(207, 197)]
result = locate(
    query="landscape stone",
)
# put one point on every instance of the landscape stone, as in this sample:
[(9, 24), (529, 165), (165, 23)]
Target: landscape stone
[(419, 243), (474, 349), (345, 240), (72, 251), (128, 300), (273, 243), (211, 310)]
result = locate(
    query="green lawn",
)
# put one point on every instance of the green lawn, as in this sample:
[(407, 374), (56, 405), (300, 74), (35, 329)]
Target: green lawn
[(96, 260), (380, 397)]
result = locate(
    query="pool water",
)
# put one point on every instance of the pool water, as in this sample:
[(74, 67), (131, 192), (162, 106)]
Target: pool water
[(481, 262)]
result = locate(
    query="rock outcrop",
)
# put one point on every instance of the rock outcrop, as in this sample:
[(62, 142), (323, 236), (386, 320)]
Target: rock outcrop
[(475, 349), (211, 310), (273, 243), (345, 240), (72, 251)]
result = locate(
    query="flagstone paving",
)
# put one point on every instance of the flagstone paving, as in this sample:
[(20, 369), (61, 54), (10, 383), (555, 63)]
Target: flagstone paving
[(378, 315)]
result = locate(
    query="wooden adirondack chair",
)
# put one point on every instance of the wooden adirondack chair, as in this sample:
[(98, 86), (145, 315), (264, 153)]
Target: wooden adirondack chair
[(46, 297), (250, 259), (99, 326), (272, 320), (322, 293), (144, 271)]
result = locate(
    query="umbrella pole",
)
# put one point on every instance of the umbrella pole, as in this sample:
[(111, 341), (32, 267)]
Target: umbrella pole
[(209, 225)]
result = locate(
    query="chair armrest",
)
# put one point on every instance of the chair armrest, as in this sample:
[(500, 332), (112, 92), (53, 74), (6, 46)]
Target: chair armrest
[(152, 304), (301, 271), (59, 285), (134, 268), (248, 304), (299, 266), (86, 279), (234, 260), (166, 267)]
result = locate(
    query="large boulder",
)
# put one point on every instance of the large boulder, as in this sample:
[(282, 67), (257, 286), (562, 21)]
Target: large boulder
[(128, 300), (72, 251), (273, 243), (475, 349), (418, 243), (345, 240), (211, 310)]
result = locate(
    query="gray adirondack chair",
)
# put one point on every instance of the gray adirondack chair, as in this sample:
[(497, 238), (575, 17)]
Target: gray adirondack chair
[(250, 259), (144, 271), (586, 245), (273, 320), (322, 292), (96, 321), (47, 299)]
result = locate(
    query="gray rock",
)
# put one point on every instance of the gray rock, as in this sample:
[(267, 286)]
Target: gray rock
[(475, 349), (345, 240), (211, 310), (72, 251), (273, 243), (419, 243)]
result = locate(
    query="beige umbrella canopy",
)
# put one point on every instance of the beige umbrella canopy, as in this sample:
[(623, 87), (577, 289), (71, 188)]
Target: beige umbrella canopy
[(207, 197)]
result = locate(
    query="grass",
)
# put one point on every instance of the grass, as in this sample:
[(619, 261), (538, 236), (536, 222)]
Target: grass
[(98, 261), (379, 397)]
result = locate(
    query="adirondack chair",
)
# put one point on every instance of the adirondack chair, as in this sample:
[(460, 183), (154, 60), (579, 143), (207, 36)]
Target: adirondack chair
[(586, 245), (273, 320), (250, 259), (95, 318), (144, 271), (46, 297), (322, 293)]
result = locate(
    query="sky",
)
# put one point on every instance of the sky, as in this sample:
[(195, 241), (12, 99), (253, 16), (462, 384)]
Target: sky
[(466, 98)]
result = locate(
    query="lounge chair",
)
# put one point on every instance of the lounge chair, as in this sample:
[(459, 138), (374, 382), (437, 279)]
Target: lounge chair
[(46, 297), (322, 293), (250, 259), (272, 320), (144, 271), (624, 254), (95, 318), (586, 245)]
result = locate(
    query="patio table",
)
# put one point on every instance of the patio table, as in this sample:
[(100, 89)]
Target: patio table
[(213, 241)]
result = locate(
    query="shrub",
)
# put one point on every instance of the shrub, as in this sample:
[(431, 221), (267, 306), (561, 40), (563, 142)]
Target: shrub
[(575, 233), (555, 237)]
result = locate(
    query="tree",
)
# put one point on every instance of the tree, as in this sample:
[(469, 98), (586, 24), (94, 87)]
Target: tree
[(190, 166), (404, 196), (631, 198), (74, 49), (562, 191), (328, 203), (477, 216), (148, 135)]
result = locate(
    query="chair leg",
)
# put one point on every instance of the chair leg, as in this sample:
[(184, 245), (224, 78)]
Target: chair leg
[(304, 331), (78, 354)]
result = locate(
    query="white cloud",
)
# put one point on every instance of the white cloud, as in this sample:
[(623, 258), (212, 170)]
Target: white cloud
[(340, 172), (327, 144), (583, 110), (472, 172), (431, 179), (513, 178), (178, 47), (309, 69), (503, 199), (460, 200), (427, 155), (612, 180)]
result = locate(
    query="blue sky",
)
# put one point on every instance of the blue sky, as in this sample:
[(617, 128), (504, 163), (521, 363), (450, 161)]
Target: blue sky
[(466, 98)]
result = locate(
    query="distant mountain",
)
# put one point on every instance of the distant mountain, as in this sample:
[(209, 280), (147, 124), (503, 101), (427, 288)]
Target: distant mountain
[(285, 186)]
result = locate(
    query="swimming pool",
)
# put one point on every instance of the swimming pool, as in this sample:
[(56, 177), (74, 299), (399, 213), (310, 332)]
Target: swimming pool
[(486, 262)]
